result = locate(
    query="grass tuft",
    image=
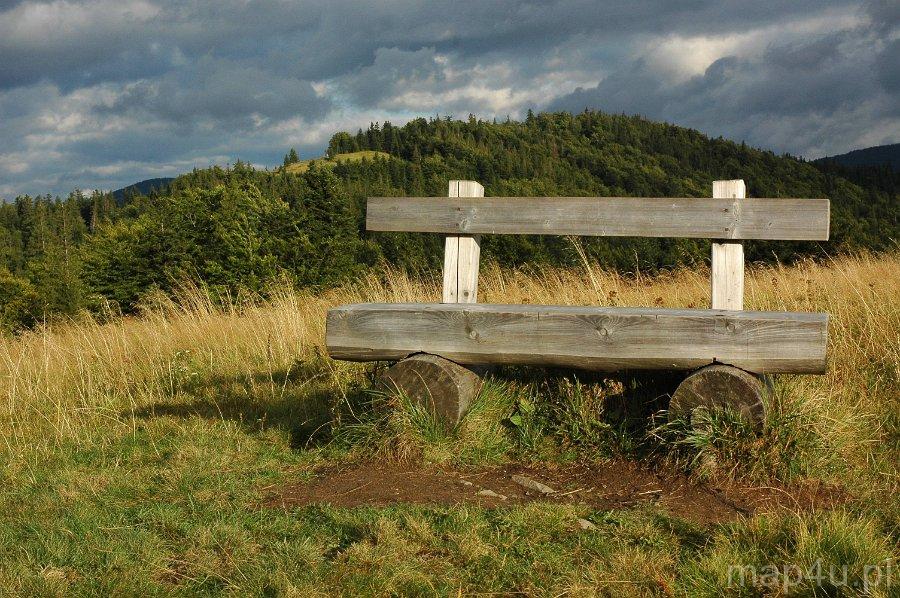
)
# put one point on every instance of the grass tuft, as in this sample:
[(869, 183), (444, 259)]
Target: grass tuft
[(795, 441), (830, 553)]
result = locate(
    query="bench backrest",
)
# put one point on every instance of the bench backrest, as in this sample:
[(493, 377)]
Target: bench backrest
[(727, 218)]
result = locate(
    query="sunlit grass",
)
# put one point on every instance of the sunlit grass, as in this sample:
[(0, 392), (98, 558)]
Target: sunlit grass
[(303, 165), (69, 382), (136, 450)]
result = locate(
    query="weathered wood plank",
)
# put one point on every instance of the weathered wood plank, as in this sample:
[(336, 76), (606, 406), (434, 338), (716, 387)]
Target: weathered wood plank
[(462, 254), (727, 271), (708, 218), (727, 275), (581, 337), (451, 269)]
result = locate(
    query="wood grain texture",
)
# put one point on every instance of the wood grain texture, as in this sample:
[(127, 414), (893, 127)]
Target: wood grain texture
[(727, 266), (462, 254), (707, 218), (715, 387), (441, 386), (593, 338)]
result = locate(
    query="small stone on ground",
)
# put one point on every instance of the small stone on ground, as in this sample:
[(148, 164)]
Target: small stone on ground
[(490, 494), (585, 524), (532, 484)]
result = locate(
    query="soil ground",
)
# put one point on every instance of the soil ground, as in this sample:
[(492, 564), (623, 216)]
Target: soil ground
[(615, 485)]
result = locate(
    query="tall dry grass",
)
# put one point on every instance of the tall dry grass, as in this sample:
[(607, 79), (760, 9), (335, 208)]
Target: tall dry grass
[(80, 381)]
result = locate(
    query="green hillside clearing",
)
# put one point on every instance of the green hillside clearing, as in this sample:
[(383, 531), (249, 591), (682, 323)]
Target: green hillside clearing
[(303, 165)]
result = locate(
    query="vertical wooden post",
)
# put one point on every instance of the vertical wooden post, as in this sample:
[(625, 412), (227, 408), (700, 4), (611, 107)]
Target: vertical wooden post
[(728, 257), (461, 254)]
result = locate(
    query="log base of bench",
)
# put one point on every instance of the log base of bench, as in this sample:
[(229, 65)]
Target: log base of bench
[(440, 385), (721, 386)]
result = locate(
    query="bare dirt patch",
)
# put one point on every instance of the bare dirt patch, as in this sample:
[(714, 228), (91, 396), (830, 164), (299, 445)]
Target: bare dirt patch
[(617, 485)]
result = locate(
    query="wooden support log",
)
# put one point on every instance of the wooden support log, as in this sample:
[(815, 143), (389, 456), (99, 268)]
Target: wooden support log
[(438, 384), (727, 271), (462, 254), (717, 387)]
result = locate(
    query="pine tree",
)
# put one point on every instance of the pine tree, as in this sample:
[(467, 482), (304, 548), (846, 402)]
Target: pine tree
[(291, 157)]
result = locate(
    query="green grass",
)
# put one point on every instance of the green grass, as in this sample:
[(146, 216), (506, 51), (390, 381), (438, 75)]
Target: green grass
[(138, 456), (174, 503), (303, 165), (174, 506)]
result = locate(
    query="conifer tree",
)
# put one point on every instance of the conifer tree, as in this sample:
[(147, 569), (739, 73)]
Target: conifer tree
[(291, 157)]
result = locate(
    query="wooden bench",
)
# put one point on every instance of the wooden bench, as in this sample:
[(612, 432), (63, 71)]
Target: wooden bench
[(728, 348)]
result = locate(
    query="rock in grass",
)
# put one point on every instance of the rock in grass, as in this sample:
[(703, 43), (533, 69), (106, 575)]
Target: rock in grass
[(490, 494), (585, 524), (532, 484)]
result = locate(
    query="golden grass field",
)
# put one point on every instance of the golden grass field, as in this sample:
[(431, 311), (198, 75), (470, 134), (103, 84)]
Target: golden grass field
[(164, 427)]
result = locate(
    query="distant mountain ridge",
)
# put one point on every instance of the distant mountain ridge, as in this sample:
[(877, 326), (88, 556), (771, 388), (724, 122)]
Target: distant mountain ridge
[(142, 187), (878, 155)]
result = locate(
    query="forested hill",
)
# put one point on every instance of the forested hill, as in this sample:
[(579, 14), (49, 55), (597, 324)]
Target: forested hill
[(141, 188), (879, 155), (241, 228)]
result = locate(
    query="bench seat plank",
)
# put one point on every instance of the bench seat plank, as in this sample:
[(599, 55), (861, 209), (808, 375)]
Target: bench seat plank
[(706, 218), (592, 338)]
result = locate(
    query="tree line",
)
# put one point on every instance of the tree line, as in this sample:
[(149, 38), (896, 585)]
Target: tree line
[(239, 228)]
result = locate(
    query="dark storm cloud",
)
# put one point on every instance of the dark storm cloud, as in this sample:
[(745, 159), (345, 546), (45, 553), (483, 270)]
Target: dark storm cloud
[(887, 68), (393, 72), (806, 95), (228, 93), (71, 42), (884, 14), (114, 90)]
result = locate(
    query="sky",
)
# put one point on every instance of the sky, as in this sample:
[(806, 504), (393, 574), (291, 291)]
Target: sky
[(97, 94)]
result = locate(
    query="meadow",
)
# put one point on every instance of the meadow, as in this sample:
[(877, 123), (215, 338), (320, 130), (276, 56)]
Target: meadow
[(302, 166), (146, 454)]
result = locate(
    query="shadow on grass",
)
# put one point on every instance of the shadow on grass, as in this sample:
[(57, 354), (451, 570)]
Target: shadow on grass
[(612, 411), (309, 403), (298, 400), (643, 393)]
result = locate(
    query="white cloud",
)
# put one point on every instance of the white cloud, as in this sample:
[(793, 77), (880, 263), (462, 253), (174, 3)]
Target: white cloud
[(681, 57), (14, 163), (61, 22)]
